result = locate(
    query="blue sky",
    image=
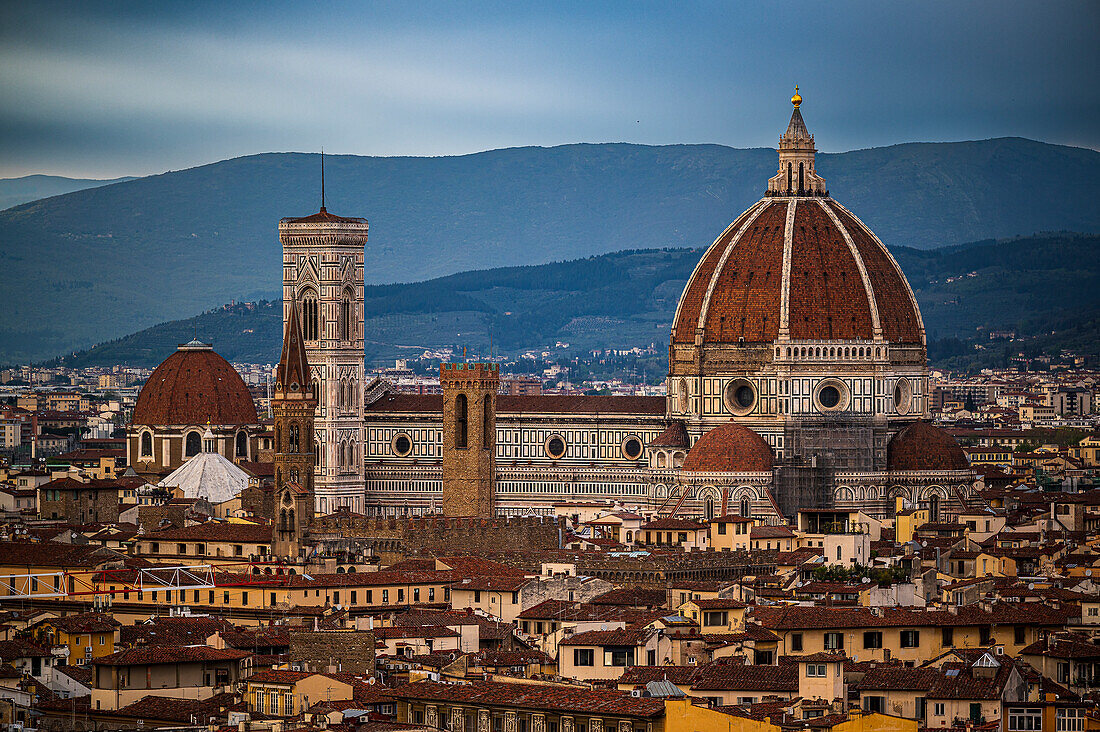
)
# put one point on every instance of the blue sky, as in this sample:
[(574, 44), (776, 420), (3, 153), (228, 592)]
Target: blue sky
[(105, 89)]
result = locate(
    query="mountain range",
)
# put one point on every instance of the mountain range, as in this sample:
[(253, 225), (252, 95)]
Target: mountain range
[(14, 191), (1042, 287), (95, 264)]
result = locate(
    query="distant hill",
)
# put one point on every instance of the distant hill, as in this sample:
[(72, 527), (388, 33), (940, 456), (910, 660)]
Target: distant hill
[(14, 191), (98, 263), (1045, 288)]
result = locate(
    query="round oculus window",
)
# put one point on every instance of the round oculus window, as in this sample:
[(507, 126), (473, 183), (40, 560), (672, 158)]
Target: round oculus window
[(740, 396), (829, 396), (402, 445), (632, 448), (555, 447), (902, 396)]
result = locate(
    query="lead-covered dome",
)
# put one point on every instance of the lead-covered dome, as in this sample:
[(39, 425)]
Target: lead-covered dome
[(729, 448), (194, 386), (797, 266)]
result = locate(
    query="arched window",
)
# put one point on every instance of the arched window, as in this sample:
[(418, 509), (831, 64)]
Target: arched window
[(147, 444), (788, 177), (345, 316), (193, 444), (487, 422), (934, 508), (292, 525), (629, 536), (282, 519), (293, 438), (310, 320), (461, 419), (278, 438), (801, 167), (242, 444), (708, 509), (746, 510)]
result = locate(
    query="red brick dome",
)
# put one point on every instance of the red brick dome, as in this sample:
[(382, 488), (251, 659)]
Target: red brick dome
[(729, 448), (194, 386), (804, 266), (920, 446)]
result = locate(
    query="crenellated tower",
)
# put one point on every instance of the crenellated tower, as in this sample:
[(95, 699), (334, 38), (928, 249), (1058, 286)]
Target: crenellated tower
[(323, 274), (469, 438)]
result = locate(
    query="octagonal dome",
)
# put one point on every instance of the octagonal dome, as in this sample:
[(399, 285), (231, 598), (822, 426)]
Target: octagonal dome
[(797, 266)]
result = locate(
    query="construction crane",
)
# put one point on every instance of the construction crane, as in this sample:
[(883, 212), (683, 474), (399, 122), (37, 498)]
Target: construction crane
[(64, 584)]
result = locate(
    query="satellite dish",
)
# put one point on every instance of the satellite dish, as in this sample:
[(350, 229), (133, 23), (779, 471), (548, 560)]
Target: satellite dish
[(924, 543), (1088, 572), (1031, 585), (866, 580)]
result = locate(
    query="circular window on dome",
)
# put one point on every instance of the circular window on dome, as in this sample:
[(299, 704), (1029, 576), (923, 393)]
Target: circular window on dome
[(740, 396), (903, 395), (831, 395), (555, 446), (402, 444), (632, 448)]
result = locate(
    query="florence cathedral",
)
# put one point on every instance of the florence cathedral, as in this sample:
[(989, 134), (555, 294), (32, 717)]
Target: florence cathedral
[(798, 378)]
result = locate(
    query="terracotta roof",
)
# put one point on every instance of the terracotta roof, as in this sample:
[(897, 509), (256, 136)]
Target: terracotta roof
[(675, 435), (607, 638), (736, 291), (170, 654), (631, 597), (54, 554), (215, 531), (83, 623), (738, 677), (729, 448), (194, 386), (599, 702), (18, 648), (920, 446), (323, 217)]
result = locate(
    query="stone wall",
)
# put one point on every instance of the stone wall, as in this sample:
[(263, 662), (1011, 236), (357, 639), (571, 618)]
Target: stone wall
[(331, 651)]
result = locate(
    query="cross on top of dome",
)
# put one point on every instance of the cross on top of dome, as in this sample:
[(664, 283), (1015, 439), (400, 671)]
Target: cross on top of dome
[(797, 176)]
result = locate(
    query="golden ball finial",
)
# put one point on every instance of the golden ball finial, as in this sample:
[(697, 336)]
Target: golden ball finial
[(797, 98)]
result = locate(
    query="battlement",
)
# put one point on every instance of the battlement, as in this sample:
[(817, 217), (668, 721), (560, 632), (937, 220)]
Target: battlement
[(487, 372), (446, 534)]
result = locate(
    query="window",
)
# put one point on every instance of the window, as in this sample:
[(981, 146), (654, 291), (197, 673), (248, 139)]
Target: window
[(1020, 635), (515, 598), (385, 596), (834, 641), (146, 444), (910, 638), (816, 670), (555, 447), (618, 656), (976, 713), (796, 641), (310, 320), (715, 618), (193, 445), (1025, 719), (948, 639), (872, 639), (938, 709), (1070, 720), (582, 657), (874, 704), (488, 433), (461, 419), (477, 595), (294, 438), (632, 448), (721, 528), (345, 316)]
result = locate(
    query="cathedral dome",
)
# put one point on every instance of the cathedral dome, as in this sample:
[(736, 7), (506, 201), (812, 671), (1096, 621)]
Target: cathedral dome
[(797, 266), (729, 448), (194, 386), (920, 446)]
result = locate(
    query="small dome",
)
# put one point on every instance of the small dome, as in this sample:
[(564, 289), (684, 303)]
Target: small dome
[(194, 386), (920, 446), (730, 448)]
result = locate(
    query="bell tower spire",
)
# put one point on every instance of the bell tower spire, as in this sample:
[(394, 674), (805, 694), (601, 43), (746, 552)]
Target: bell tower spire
[(797, 175)]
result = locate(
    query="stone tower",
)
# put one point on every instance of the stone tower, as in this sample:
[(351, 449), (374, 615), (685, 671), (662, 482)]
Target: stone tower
[(469, 438), (293, 403), (323, 274)]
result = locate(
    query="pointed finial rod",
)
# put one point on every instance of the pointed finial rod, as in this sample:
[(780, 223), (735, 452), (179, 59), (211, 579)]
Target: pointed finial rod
[(796, 100), (322, 179)]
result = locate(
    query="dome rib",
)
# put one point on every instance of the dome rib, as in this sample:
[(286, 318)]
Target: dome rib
[(876, 320), (704, 308)]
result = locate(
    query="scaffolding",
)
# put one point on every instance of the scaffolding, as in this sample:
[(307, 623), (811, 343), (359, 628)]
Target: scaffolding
[(819, 447)]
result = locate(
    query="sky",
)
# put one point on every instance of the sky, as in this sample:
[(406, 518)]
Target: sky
[(105, 89)]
